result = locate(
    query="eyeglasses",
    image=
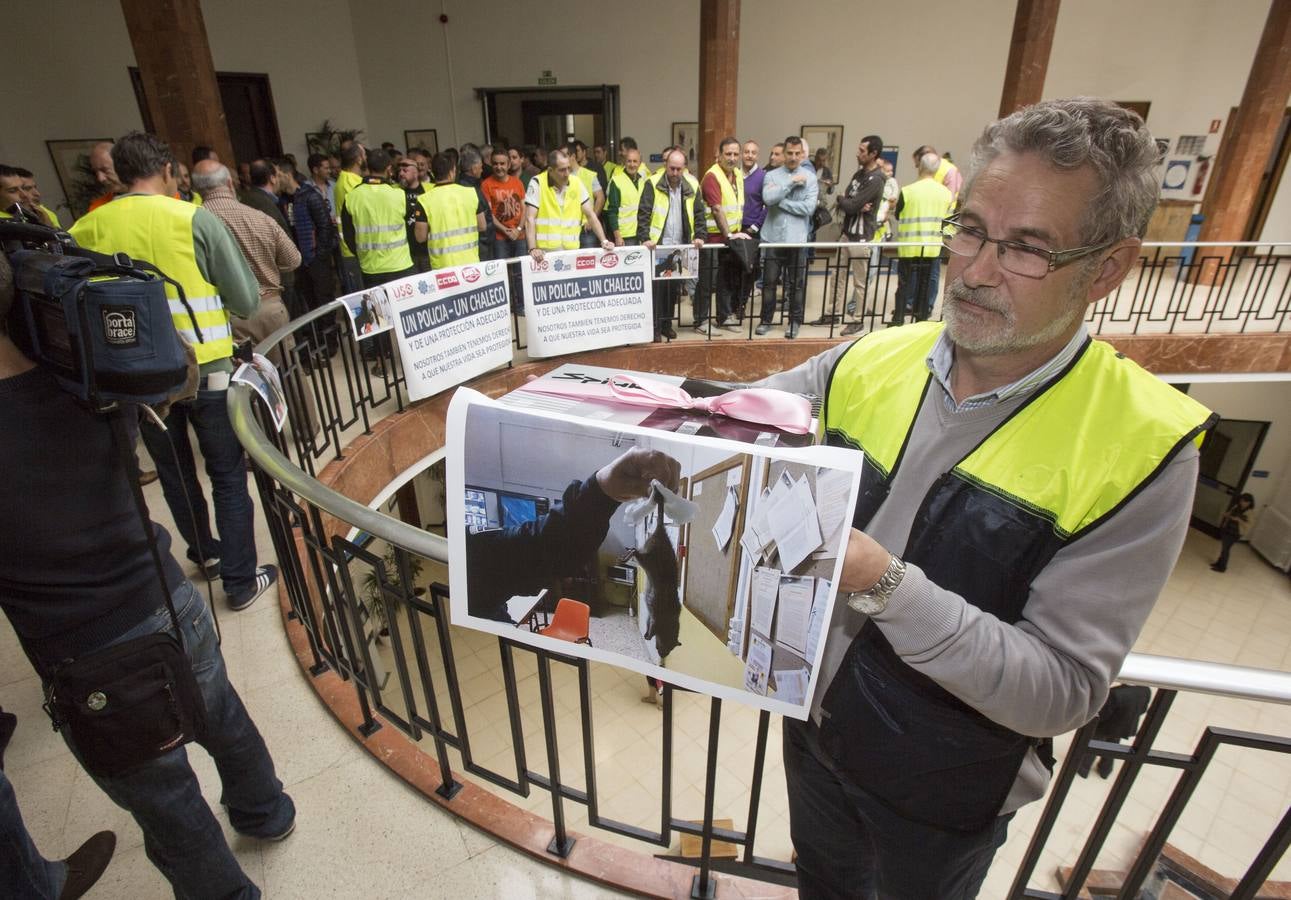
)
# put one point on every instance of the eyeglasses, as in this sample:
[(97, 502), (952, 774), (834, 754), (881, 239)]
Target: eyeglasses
[(1014, 256)]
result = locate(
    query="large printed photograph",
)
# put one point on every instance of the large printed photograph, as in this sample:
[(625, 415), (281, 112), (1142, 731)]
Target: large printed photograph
[(707, 563)]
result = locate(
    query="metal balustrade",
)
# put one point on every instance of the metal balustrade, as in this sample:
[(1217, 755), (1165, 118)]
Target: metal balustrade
[(331, 400)]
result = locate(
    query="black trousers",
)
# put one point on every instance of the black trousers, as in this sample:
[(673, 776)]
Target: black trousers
[(719, 271), (851, 845), (788, 267)]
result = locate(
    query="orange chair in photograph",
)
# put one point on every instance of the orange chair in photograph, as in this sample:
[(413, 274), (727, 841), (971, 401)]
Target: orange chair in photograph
[(570, 623)]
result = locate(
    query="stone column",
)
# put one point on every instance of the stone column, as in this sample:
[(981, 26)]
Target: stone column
[(719, 73), (1033, 27), (1249, 137), (178, 74)]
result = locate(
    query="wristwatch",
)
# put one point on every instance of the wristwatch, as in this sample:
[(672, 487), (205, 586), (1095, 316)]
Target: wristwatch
[(874, 600)]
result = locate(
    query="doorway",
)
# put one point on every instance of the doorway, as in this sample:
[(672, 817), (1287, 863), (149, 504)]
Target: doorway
[(1227, 457), (548, 116), (1270, 178), (248, 112)]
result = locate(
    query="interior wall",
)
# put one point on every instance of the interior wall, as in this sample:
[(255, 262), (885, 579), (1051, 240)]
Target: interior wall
[(1262, 401), (68, 76)]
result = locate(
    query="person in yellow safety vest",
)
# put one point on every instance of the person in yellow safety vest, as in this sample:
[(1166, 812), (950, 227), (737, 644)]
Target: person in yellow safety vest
[(32, 200), (13, 199), (1024, 495), (556, 208), (720, 270), (353, 158), (624, 201), (375, 220), (191, 246), (626, 144), (578, 169), (919, 213), (670, 206), (453, 220), (947, 172)]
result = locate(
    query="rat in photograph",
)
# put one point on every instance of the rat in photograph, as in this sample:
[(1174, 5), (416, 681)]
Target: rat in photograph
[(662, 601)]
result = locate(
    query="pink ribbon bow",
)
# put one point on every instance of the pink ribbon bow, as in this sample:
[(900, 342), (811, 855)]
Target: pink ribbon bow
[(762, 406)]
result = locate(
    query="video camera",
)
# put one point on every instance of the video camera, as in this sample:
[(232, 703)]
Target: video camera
[(101, 324)]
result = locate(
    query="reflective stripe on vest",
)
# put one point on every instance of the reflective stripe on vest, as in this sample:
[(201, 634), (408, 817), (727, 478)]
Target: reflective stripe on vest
[(629, 202), (159, 230), (663, 201), (557, 224), (924, 205), (379, 213), (345, 182), (450, 216), (732, 200), (1072, 455)]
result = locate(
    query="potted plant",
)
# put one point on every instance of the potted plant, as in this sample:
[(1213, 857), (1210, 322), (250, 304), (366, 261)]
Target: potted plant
[(372, 587)]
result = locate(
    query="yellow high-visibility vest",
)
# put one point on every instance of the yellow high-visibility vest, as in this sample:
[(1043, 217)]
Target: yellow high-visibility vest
[(379, 213), (345, 182), (663, 201), (629, 201), (925, 203), (159, 230), (732, 200), (558, 224), (453, 237)]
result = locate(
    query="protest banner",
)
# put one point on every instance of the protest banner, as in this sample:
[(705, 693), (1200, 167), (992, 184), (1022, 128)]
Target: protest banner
[(452, 324), (578, 300)]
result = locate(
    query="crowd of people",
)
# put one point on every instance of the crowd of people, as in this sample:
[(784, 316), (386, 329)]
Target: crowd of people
[(415, 210)]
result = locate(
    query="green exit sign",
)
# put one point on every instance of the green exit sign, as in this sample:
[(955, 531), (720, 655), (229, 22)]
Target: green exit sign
[(546, 79)]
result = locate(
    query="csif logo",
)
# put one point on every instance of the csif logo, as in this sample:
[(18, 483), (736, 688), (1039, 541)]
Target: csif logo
[(631, 257), (585, 262), (446, 280), (490, 268), (609, 260), (470, 274)]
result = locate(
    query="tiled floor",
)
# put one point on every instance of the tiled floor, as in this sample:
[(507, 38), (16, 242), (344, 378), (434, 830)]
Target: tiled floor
[(362, 833)]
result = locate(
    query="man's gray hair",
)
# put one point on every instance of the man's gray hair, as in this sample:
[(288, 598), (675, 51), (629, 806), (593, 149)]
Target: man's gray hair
[(928, 164), (1086, 131), (212, 179), (468, 159)]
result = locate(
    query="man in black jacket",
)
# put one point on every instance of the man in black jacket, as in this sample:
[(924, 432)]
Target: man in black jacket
[(671, 204), (859, 203)]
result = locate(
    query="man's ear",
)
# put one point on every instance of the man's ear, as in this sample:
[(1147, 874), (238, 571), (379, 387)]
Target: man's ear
[(1122, 257)]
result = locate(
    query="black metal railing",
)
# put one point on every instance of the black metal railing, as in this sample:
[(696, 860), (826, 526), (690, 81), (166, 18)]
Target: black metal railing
[(324, 573)]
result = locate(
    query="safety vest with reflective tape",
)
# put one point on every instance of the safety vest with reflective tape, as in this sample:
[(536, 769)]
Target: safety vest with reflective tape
[(943, 170), (558, 224), (732, 200), (345, 182), (924, 204), (1074, 454), (159, 230), (629, 201), (663, 202), (379, 213), (454, 237)]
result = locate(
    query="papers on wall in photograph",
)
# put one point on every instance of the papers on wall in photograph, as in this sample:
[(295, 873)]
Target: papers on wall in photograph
[(560, 537), (681, 263), (577, 300), (370, 311), (452, 324)]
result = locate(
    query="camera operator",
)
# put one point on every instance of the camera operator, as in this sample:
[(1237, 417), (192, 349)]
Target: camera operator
[(80, 577), (193, 247)]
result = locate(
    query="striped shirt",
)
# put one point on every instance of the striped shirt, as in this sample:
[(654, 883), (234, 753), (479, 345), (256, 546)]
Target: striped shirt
[(942, 358)]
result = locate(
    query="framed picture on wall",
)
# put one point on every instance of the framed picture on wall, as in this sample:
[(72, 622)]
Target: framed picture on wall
[(686, 136), (828, 138), (426, 138), (892, 153), (71, 160)]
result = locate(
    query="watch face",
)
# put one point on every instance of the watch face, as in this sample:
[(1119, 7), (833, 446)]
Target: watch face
[(867, 602)]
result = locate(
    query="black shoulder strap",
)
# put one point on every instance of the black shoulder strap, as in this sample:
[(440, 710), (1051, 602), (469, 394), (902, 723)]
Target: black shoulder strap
[(121, 264), (131, 465)]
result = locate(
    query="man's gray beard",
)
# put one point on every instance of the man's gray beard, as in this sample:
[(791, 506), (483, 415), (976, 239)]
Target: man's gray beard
[(998, 344)]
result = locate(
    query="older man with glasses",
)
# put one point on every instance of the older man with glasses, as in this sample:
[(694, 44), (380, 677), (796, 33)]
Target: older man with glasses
[(1024, 495)]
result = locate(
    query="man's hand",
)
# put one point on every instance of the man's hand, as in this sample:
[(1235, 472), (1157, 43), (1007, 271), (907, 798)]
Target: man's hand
[(537, 254), (629, 476), (737, 236), (650, 245), (618, 241), (863, 564), (699, 243), (800, 178), (607, 245)]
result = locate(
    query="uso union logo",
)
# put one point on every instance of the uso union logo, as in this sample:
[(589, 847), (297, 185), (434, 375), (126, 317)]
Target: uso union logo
[(470, 274), (446, 279), (585, 262), (609, 260)]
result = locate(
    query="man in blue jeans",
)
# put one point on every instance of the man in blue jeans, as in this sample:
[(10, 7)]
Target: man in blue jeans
[(194, 248), (83, 578)]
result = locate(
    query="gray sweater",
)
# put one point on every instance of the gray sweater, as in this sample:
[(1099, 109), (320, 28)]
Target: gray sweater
[(1049, 673)]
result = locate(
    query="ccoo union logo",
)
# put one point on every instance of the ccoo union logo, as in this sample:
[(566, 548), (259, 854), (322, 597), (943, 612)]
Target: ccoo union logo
[(609, 260), (470, 274), (446, 280), (585, 262)]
